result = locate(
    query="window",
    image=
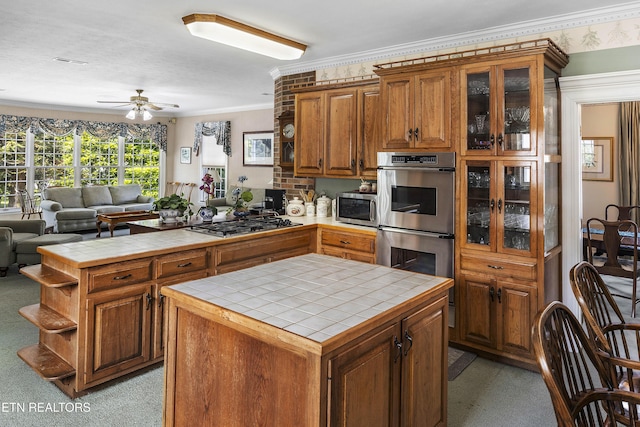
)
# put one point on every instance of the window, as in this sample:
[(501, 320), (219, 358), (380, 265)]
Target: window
[(141, 160), (53, 159), (13, 172), (98, 161)]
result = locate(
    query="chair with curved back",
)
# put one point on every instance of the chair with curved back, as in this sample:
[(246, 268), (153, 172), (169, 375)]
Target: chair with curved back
[(28, 204), (569, 365), (619, 238), (620, 213)]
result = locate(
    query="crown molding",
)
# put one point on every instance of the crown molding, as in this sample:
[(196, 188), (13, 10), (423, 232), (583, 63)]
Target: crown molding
[(517, 30)]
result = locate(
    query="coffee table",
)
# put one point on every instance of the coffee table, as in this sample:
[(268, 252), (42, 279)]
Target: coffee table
[(115, 218), (151, 225)]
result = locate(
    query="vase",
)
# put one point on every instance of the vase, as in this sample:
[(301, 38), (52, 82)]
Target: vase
[(206, 213), (170, 216), (241, 214)]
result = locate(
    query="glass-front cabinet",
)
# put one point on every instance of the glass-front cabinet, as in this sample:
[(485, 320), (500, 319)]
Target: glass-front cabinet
[(499, 108), (500, 202)]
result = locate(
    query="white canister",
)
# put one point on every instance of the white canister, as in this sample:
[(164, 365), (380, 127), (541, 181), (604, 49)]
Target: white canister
[(324, 207), (311, 208), (295, 207)]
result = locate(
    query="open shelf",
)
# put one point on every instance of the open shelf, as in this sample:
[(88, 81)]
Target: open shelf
[(47, 276), (46, 319), (46, 363)]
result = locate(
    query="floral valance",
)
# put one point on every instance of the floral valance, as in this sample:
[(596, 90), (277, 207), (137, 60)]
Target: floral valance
[(63, 127), (221, 131)]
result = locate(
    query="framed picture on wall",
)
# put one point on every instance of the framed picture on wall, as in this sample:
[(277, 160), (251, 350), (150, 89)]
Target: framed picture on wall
[(597, 158), (185, 155), (257, 148)]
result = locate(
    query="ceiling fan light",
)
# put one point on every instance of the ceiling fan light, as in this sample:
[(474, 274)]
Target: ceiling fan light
[(232, 33), (146, 115), (131, 114)]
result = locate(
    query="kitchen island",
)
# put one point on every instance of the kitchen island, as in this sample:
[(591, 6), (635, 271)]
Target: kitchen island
[(310, 340), (101, 311)]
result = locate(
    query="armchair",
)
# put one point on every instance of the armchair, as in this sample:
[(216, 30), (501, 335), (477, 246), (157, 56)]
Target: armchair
[(13, 232)]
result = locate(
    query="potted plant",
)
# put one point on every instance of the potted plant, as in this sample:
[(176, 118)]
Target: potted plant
[(173, 207)]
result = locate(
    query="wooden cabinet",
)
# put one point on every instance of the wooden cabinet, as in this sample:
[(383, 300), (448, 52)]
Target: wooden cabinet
[(397, 377), (499, 112), (509, 198), (499, 199), (498, 313), (349, 245), (338, 132), (260, 250), (417, 109)]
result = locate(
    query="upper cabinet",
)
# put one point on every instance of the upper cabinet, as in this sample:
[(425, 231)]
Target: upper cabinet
[(417, 108), (337, 132), (498, 108)]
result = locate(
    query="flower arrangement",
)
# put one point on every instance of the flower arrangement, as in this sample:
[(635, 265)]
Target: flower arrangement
[(208, 186), (241, 196)]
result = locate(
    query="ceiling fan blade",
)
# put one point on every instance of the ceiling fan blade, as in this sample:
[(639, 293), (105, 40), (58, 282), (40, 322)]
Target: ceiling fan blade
[(152, 106), (167, 105), (114, 102)]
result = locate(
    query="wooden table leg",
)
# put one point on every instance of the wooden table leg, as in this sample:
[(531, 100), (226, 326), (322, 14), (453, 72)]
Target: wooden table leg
[(112, 225), (98, 222)]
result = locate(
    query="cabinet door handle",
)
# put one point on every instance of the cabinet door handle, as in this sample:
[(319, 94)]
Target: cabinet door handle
[(499, 205), (353, 164), (126, 276), (161, 300), (492, 139), (408, 338), (415, 133), (187, 264), (149, 300), (500, 140), (491, 293), (492, 203), (361, 164), (500, 295), (398, 345), (410, 134), (319, 163)]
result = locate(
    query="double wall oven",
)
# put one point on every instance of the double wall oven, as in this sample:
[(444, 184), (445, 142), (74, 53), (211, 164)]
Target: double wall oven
[(416, 201)]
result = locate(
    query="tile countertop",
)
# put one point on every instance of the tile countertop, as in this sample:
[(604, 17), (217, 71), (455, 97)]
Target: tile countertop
[(314, 296), (95, 251)]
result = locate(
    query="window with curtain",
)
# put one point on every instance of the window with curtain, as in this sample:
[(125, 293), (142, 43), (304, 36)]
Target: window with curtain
[(13, 171)]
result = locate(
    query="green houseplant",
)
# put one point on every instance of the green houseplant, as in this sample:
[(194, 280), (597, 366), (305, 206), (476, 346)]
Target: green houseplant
[(173, 207)]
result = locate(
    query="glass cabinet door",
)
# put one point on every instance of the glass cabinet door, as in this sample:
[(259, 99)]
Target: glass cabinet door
[(517, 203), (479, 203), (515, 132), (478, 96)]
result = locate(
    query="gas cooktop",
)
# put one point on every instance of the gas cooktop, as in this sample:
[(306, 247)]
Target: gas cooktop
[(242, 226)]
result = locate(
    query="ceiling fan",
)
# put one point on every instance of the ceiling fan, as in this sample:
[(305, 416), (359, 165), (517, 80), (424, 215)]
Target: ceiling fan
[(141, 106)]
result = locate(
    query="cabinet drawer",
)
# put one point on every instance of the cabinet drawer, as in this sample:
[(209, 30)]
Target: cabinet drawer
[(181, 263), (120, 274), (521, 268), (352, 241)]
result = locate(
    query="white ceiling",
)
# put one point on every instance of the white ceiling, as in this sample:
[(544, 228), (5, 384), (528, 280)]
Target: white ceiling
[(143, 44)]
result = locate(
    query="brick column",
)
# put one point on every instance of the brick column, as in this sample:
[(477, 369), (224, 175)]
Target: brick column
[(285, 100)]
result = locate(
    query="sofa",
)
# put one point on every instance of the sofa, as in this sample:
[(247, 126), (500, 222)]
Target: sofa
[(68, 209), (20, 239)]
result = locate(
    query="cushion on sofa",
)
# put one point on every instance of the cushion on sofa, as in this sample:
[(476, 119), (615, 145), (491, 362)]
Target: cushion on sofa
[(97, 195), (123, 194), (107, 209), (68, 197), (21, 237), (76, 213)]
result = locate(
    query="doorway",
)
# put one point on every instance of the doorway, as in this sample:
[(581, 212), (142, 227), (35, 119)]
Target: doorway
[(577, 91)]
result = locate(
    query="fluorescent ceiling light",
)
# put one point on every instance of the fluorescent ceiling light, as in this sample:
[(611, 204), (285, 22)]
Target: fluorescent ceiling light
[(224, 30)]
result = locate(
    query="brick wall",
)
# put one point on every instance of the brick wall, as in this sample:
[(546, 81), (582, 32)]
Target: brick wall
[(284, 100)]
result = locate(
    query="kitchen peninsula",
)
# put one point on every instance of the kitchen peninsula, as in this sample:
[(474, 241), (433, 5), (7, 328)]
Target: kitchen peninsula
[(310, 340), (101, 309)]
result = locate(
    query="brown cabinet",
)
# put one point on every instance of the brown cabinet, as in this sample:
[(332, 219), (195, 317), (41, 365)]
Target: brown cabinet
[(349, 245), (399, 372), (417, 109), (338, 132), (498, 313)]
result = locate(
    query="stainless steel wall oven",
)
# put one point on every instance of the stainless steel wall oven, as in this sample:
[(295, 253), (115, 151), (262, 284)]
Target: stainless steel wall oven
[(416, 201)]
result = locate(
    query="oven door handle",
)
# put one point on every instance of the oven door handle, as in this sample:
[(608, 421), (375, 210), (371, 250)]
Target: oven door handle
[(417, 233), (372, 211), (410, 168)]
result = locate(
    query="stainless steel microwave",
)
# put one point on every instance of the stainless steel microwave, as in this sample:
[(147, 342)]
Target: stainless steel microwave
[(354, 207)]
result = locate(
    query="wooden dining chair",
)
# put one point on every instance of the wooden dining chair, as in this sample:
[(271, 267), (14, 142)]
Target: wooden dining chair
[(580, 388), (607, 329), (619, 239), (28, 204), (620, 213)]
